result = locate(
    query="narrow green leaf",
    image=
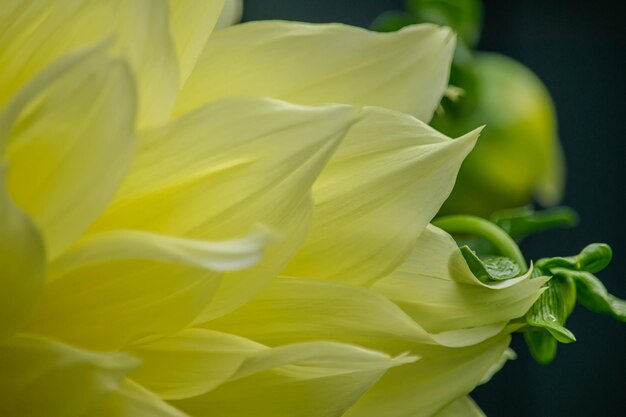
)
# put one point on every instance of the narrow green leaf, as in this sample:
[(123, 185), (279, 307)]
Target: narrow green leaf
[(548, 264), (490, 269), (593, 294), (594, 258), (524, 221)]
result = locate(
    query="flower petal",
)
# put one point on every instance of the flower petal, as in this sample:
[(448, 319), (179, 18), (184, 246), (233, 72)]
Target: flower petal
[(463, 407), (74, 123), (214, 173), (423, 388), (22, 262), (227, 166), (118, 287), (38, 32), (48, 379), (191, 362), (302, 380), (435, 286), (132, 400), (291, 310), (313, 64), (382, 187), (239, 286), (192, 22)]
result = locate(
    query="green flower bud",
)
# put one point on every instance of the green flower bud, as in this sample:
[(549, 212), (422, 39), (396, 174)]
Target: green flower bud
[(518, 155)]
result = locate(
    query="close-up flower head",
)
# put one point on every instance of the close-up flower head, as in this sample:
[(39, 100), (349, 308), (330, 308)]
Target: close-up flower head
[(207, 218)]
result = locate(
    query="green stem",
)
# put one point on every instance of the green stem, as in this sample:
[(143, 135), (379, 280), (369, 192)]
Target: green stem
[(472, 225)]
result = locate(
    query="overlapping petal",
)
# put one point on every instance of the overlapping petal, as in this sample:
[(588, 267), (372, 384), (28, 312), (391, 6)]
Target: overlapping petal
[(383, 185), (441, 376), (116, 288), (312, 64), (191, 362), (294, 310), (42, 378), (37, 33), (75, 124), (435, 286), (132, 400), (301, 380), (214, 173)]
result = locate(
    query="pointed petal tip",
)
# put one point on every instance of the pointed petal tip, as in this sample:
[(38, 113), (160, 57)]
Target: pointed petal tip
[(469, 140), (474, 134), (446, 33), (444, 38)]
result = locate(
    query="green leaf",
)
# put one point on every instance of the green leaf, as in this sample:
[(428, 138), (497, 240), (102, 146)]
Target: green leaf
[(523, 221), (465, 17), (542, 346), (593, 294), (593, 258), (490, 269), (550, 311)]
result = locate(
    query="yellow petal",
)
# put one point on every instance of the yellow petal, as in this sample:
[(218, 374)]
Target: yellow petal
[(74, 123), (192, 22), (239, 286), (313, 64), (435, 286), (463, 407), (231, 13), (293, 310), (118, 287), (423, 388), (191, 362), (385, 183), (44, 378), (214, 173), (302, 380), (38, 32), (335, 357), (222, 168), (132, 400), (22, 262)]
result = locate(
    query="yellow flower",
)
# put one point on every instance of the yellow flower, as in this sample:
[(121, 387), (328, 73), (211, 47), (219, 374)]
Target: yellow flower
[(137, 156)]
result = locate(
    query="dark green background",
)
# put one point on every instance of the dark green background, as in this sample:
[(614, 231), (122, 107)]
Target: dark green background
[(577, 48)]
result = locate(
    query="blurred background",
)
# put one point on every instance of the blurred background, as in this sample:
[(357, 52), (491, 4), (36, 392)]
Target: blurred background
[(578, 50)]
